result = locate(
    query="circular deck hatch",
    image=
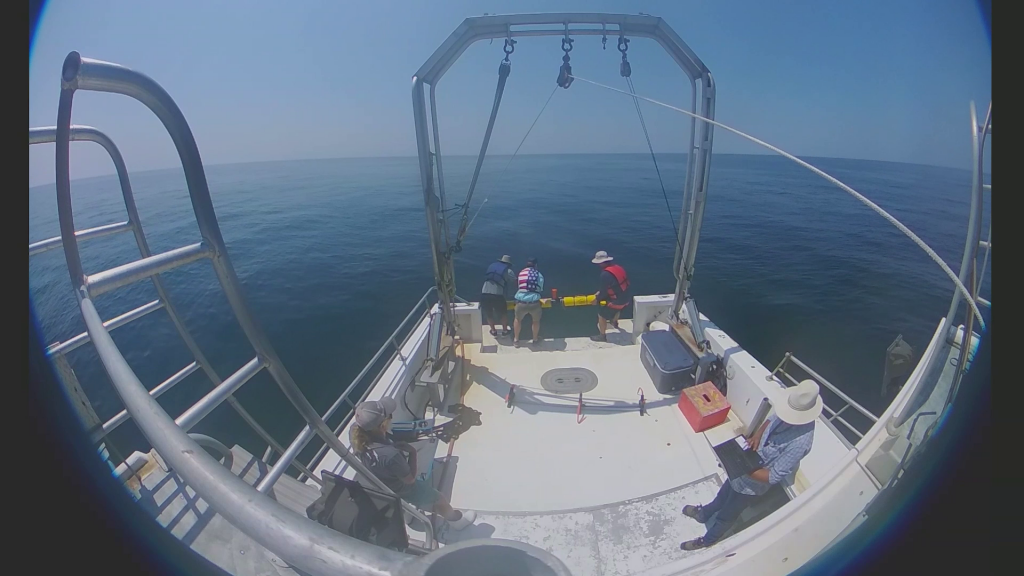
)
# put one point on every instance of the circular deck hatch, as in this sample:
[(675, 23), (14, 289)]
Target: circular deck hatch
[(568, 380)]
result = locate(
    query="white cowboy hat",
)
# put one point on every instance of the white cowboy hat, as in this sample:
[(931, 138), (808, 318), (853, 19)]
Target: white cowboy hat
[(506, 259), (601, 257), (801, 404)]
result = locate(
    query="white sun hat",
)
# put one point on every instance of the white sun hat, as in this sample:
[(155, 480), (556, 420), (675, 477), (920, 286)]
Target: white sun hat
[(601, 257), (801, 404)]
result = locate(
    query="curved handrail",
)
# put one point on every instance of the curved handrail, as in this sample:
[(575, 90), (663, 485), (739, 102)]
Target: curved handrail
[(86, 74), (971, 244), (967, 270), (44, 135)]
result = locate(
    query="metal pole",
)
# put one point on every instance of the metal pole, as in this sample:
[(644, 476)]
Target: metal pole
[(430, 200), (87, 234), (115, 322), (974, 220), (437, 160), (206, 404), (687, 186), (122, 416), (698, 194)]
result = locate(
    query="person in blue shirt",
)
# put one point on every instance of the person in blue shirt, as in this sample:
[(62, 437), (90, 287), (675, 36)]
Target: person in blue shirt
[(497, 281), (787, 435), (531, 284)]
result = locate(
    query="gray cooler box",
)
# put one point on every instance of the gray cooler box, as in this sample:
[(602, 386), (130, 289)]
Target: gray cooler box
[(669, 363)]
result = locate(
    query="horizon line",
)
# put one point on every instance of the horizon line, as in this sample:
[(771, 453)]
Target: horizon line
[(325, 158)]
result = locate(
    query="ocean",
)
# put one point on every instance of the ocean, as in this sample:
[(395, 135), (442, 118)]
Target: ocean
[(332, 254)]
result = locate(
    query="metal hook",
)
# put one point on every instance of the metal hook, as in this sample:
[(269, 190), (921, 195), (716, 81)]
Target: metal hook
[(565, 72), (624, 68)]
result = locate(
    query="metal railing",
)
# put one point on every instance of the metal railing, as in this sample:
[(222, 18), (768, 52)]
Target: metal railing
[(832, 414), (298, 540), (969, 273), (344, 398), (58, 350)]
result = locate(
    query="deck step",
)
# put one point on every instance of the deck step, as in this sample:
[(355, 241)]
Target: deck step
[(190, 519), (630, 537)]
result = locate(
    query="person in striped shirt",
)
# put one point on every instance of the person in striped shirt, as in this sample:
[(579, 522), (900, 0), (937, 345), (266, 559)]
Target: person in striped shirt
[(531, 284)]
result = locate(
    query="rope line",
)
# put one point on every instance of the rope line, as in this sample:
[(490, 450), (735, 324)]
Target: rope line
[(465, 231), (647, 136), (878, 209), (542, 108)]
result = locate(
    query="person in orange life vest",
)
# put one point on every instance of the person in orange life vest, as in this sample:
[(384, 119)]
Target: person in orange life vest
[(614, 289)]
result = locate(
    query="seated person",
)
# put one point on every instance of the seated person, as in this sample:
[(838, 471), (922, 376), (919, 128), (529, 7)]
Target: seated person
[(787, 435), (394, 463)]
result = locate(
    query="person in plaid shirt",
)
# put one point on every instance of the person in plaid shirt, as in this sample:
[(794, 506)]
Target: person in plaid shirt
[(787, 435)]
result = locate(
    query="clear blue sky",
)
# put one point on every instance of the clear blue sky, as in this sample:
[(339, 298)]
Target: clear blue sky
[(886, 80)]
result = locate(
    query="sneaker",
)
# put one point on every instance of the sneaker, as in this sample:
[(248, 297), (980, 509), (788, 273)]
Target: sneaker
[(695, 544), (599, 338), (695, 512), (468, 516)]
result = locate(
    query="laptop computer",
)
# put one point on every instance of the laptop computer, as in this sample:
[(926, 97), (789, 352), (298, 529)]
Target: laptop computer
[(736, 460)]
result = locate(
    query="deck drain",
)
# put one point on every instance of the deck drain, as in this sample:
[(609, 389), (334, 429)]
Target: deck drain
[(568, 380)]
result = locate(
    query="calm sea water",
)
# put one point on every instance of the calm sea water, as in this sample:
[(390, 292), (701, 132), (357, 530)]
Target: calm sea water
[(332, 254)]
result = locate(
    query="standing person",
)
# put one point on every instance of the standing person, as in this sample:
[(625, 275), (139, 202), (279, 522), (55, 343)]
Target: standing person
[(531, 283), (787, 434), (394, 463), (614, 288), (498, 277)]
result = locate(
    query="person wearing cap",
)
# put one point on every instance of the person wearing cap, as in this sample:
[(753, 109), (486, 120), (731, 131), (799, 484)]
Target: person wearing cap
[(394, 463), (497, 279), (531, 284), (781, 442), (614, 289)]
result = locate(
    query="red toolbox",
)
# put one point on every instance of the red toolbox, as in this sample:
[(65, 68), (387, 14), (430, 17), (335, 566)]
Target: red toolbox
[(703, 406)]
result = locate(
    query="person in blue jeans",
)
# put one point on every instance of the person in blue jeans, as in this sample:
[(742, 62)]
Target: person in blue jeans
[(498, 279), (787, 435)]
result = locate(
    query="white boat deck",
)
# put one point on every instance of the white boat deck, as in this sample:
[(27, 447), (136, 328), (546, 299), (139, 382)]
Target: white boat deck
[(553, 460), (602, 490)]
